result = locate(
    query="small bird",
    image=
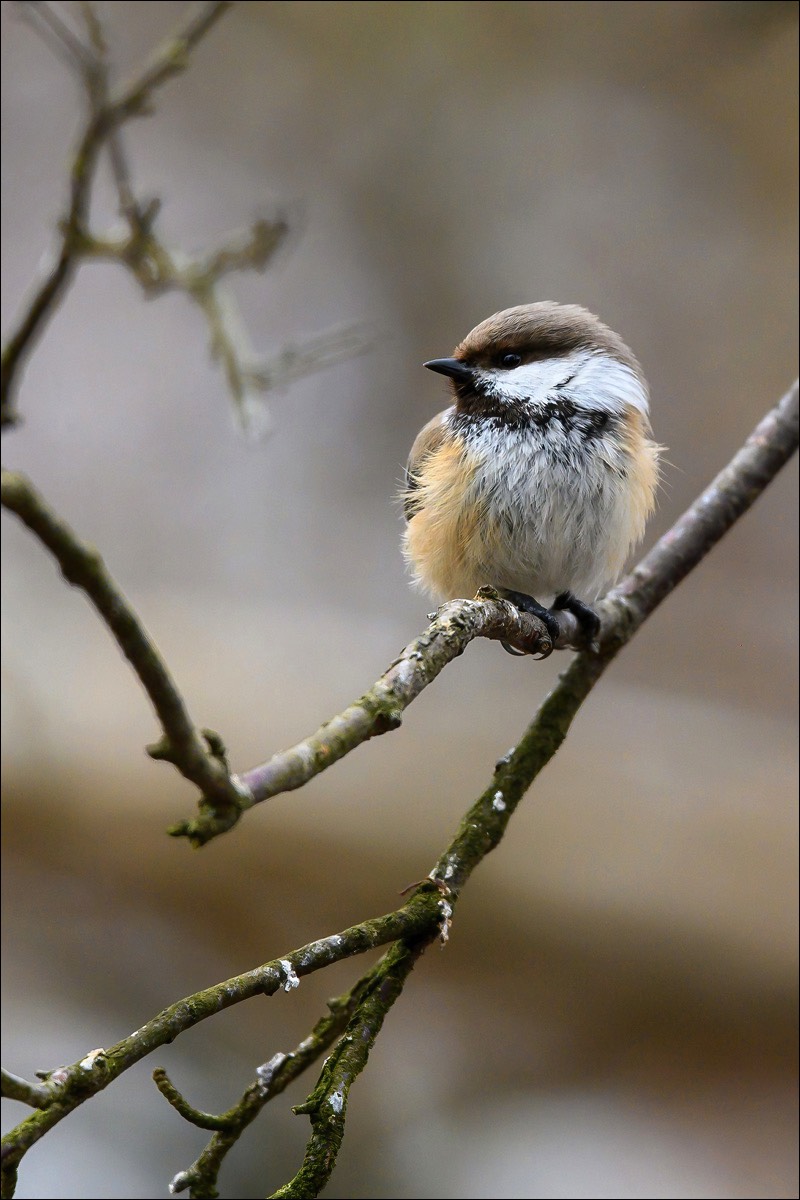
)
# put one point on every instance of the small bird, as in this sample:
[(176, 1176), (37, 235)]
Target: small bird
[(540, 476)]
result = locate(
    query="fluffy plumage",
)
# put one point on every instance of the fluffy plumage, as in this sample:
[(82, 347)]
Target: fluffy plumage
[(540, 477)]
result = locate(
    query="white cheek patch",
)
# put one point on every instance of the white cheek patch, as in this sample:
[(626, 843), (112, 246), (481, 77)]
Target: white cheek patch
[(612, 385), (530, 381), (595, 379)]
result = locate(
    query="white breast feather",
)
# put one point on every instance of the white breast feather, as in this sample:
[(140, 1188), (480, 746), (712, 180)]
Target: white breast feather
[(558, 508)]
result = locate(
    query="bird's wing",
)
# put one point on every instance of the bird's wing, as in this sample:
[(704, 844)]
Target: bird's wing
[(429, 439)]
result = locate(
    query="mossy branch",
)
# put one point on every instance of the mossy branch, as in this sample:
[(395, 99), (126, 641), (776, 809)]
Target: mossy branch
[(14, 1087), (417, 920), (327, 1104), (272, 1078)]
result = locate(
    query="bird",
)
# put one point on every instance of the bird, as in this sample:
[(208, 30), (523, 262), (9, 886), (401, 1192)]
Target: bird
[(540, 476)]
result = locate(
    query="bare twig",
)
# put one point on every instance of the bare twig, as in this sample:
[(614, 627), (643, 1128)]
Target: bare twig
[(195, 1116), (94, 29), (157, 269), (55, 26), (168, 60), (83, 567), (104, 118), (57, 279)]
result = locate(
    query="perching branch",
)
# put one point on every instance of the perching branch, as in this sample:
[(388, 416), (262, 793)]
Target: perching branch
[(460, 621), (733, 491), (81, 565), (201, 759), (380, 709)]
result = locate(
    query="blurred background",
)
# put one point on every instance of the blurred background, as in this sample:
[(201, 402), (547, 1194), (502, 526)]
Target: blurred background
[(615, 1012)]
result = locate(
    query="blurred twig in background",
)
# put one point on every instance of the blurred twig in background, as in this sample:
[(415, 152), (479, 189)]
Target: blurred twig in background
[(156, 268)]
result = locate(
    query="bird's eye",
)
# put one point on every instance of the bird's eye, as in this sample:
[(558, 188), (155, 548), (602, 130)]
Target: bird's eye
[(510, 360)]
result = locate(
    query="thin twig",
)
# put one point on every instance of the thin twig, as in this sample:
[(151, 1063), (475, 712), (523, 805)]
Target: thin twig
[(42, 306), (272, 1078), (55, 26), (169, 59), (82, 566), (380, 709), (93, 28), (14, 1087), (104, 118), (97, 83), (195, 1116), (155, 268)]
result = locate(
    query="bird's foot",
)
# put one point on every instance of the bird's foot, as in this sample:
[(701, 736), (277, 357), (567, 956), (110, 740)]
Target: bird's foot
[(527, 604), (587, 618)]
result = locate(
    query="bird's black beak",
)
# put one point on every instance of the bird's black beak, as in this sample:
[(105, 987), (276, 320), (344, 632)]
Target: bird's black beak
[(453, 367)]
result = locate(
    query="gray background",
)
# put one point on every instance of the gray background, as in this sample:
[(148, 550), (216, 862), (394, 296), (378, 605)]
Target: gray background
[(614, 1014)]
